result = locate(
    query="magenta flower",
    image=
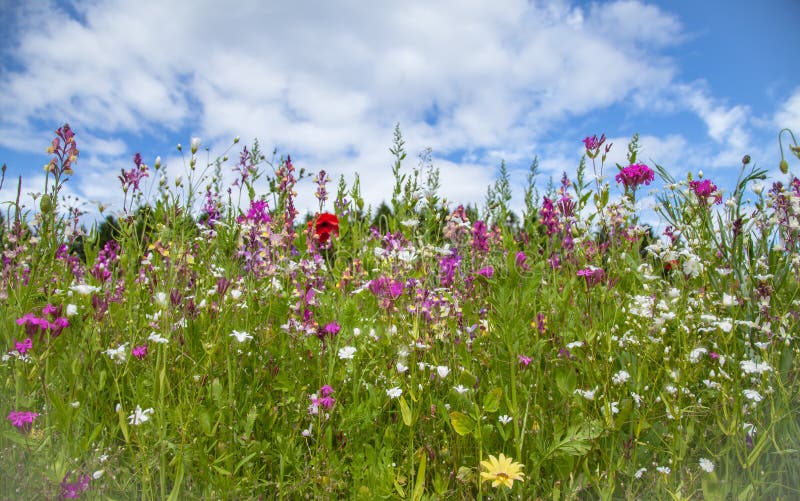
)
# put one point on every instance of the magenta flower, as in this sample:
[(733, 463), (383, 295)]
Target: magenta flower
[(23, 346), (520, 261), (33, 320), (140, 351), (58, 325), (487, 272), (524, 360), (22, 419), (480, 238), (448, 265), (592, 275), (704, 190), (329, 330), (326, 401), (541, 323), (635, 175), (592, 143), (73, 490)]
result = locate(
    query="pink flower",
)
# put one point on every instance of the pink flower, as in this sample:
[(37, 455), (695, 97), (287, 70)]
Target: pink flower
[(635, 175), (140, 351), (22, 419), (23, 346), (524, 360), (520, 261), (704, 190), (592, 143), (73, 490), (592, 275), (487, 272)]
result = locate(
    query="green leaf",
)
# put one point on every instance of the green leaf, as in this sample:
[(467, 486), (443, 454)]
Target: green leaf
[(405, 410), (462, 423), (576, 441), (566, 380), (419, 483), (712, 489), (492, 400), (205, 422)]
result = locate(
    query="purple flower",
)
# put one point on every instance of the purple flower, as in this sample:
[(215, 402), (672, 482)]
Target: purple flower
[(58, 325), (520, 261), (592, 143), (31, 319), (140, 351), (447, 268), (23, 346), (541, 323), (329, 330), (326, 402), (524, 360), (704, 190), (592, 275), (130, 179), (73, 490), (480, 237), (22, 419), (487, 272), (635, 175), (549, 218)]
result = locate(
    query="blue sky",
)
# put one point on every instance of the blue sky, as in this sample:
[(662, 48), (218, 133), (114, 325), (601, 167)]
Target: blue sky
[(703, 82)]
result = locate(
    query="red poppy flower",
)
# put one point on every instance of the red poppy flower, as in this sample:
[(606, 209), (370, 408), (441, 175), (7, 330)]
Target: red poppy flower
[(324, 225)]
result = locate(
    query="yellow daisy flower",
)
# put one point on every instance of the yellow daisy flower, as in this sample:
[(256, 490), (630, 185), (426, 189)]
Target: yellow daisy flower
[(501, 471)]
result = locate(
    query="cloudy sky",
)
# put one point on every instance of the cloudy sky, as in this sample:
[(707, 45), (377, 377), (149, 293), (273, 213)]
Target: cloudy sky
[(477, 81)]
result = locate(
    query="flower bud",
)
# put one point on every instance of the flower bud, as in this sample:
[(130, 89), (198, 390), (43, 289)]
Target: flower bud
[(745, 159), (784, 166), (158, 163), (236, 140), (46, 204), (195, 144)]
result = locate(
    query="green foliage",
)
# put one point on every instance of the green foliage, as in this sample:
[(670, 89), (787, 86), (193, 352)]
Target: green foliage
[(277, 366)]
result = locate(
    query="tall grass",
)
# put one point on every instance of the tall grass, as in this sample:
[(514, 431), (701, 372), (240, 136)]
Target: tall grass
[(212, 351)]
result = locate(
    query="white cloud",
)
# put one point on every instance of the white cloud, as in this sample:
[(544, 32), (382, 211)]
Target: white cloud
[(789, 113), (476, 81)]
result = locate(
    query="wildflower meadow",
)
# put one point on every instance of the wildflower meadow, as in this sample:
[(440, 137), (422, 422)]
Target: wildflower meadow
[(208, 341)]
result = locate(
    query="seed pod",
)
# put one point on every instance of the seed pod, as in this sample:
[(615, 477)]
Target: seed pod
[(784, 166)]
